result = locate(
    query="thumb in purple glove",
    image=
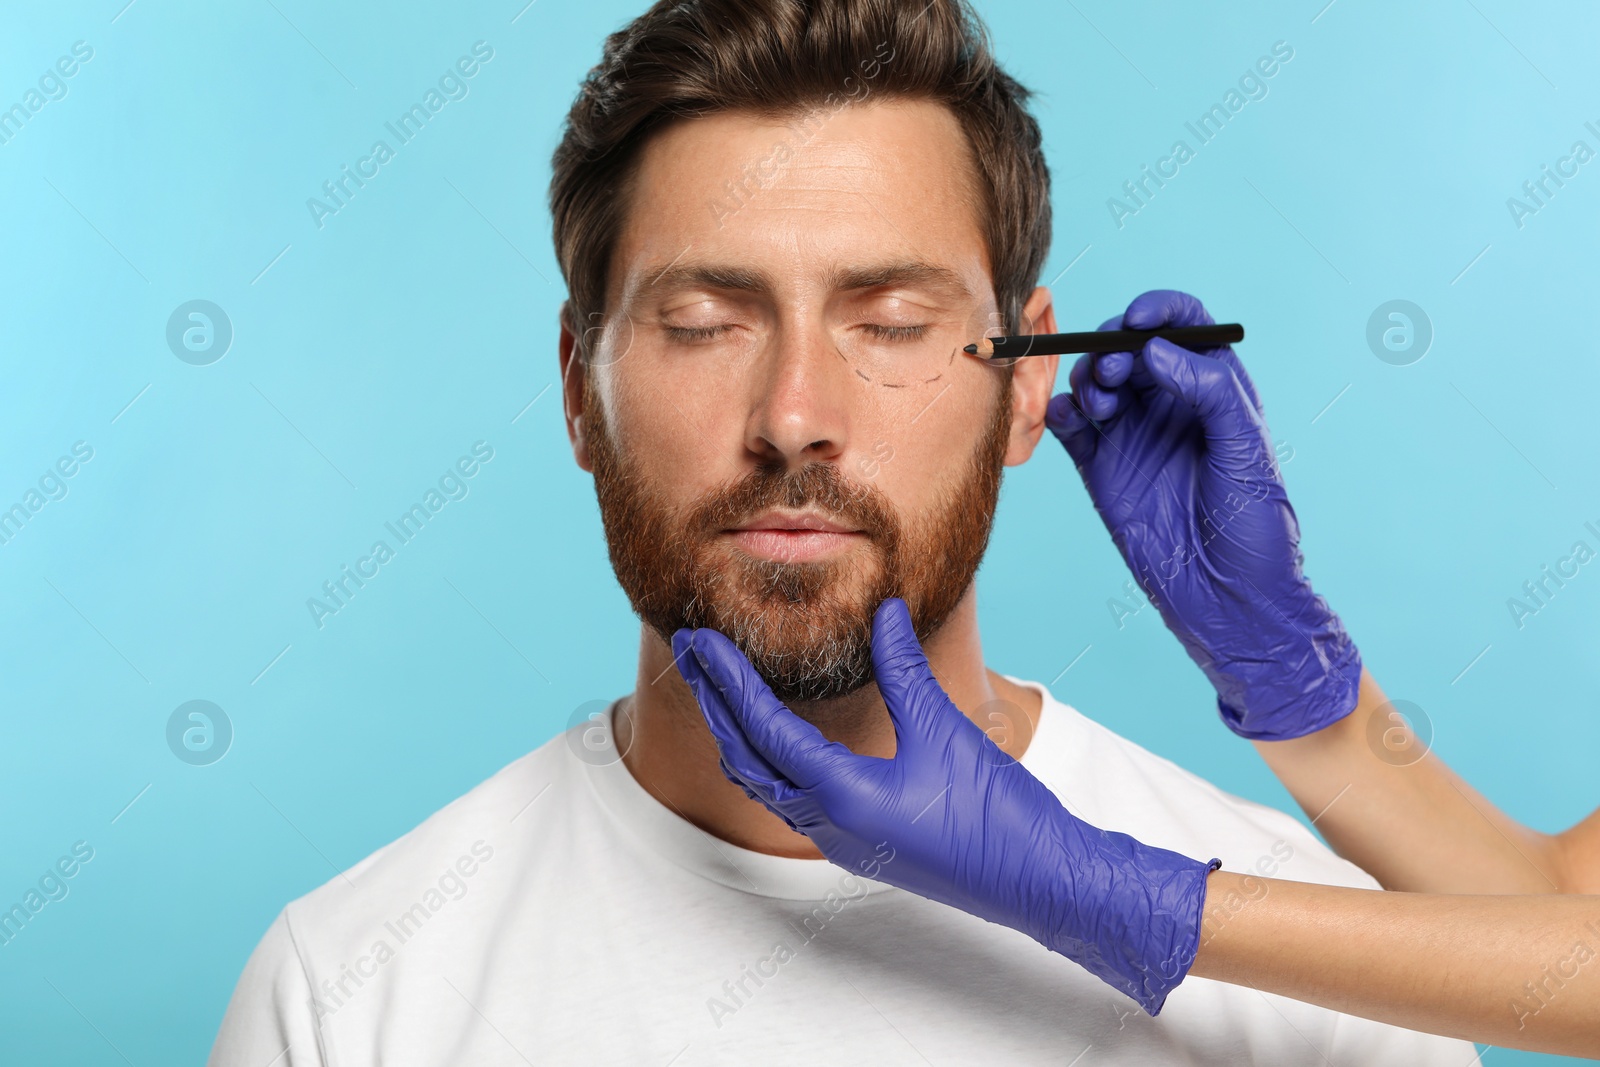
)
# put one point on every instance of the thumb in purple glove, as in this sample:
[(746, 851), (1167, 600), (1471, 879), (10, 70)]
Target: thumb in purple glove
[(961, 822)]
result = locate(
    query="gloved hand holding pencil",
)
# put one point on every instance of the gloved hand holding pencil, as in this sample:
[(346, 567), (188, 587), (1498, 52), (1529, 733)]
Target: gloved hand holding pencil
[(1174, 450)]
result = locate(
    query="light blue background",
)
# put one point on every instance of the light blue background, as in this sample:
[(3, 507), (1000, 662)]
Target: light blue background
[(370, 354)]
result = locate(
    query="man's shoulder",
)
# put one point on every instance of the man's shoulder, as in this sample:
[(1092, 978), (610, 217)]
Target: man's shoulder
[(1117, 784), (442, 858), (453, 875)]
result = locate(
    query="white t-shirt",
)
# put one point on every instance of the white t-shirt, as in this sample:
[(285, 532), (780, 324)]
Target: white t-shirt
[(560, 914)]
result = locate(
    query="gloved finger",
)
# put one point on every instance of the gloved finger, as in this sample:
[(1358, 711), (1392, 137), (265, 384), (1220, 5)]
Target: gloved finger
[(919, 706), (790, 745), (1231, 358), (727, 772), (741, 764), (1235, 434), (1074, 432), (755, 777), (768, 802), (1065, 414), (1111, 369), (1095, 401), (1170, 307), (1165, 307)]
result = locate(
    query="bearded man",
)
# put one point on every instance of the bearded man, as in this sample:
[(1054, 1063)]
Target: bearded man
[(779, 222)]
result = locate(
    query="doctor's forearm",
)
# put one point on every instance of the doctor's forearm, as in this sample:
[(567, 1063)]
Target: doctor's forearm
[(1398, 811), (1516, 971)]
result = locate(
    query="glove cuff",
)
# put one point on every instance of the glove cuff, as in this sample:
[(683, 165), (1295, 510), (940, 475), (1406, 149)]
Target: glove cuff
[(1293, 705), (1143, 906)]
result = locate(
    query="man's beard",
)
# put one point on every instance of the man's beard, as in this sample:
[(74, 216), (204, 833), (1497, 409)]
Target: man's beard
[(805, 626)]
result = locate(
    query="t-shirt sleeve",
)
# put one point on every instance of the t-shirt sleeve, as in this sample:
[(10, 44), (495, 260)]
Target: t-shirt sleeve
[(271, 1018)]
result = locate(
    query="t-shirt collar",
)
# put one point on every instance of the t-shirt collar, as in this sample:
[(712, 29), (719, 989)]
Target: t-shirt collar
[(664, 831)]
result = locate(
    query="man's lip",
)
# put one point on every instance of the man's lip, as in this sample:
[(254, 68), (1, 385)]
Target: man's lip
[(803, 520)]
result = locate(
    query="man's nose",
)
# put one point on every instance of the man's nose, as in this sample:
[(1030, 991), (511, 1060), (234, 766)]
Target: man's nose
[(801, 412)]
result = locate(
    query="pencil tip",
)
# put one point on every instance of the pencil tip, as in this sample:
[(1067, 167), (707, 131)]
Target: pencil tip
[(971, 350)]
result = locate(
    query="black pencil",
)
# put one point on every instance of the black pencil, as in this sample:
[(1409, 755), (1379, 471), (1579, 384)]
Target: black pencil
[(1055, 344)]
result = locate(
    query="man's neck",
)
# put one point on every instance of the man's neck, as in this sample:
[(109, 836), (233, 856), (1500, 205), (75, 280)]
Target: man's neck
[(668, 748)]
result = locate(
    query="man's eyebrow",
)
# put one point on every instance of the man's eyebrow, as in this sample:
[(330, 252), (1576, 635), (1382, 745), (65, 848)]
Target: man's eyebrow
[(910, 272), (710, 276), (843, 279)]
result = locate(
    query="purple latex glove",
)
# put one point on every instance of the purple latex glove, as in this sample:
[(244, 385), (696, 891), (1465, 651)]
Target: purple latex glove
[(1175, 452), (953, 818)]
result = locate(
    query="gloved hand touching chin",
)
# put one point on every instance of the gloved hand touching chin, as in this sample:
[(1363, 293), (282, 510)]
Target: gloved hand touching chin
[(1175, 453), (953, 818)]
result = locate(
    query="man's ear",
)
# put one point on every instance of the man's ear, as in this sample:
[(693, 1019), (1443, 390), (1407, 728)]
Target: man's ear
[(574, 378), (1032, 380)]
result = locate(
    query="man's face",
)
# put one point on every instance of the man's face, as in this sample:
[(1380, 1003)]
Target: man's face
[(781, 426)]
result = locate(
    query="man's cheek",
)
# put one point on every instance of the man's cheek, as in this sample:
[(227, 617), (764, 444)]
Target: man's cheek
[(705, 429), (680, 448), (900, 482), (868, 466), (911, 460)]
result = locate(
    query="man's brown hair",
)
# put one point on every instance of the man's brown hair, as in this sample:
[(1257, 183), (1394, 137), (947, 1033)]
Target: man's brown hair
[(687, 58)]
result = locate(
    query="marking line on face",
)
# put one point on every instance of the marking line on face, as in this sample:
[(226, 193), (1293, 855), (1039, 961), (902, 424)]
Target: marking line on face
[(946, 295)]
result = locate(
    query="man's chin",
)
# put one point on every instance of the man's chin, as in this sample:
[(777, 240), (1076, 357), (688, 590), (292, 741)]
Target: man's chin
[(802, 681), (805, 650)]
